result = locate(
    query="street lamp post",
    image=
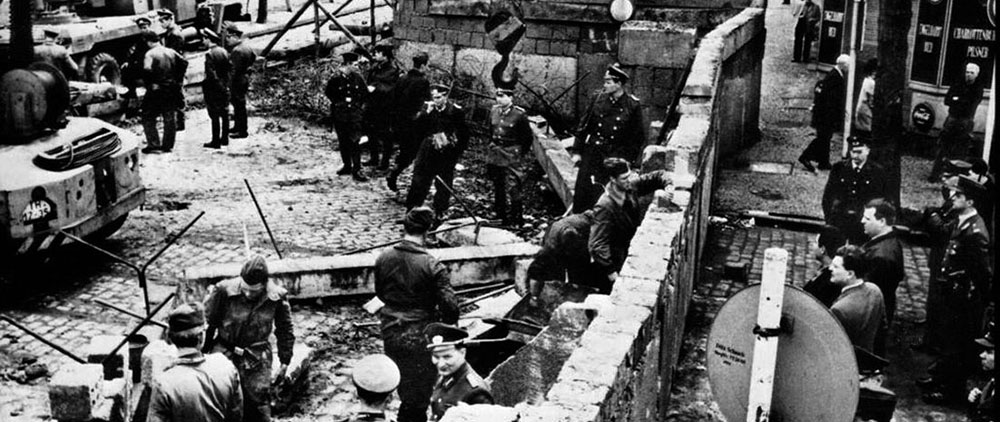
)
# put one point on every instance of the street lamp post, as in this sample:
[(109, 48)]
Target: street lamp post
[(849, 104)]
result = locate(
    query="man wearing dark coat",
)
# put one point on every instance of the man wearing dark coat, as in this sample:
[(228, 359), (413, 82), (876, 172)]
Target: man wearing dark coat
[(851, 184), (830, 239), (412, 92), (807, 16), (982, 402), (883, 259), (617, 216), (447, 136), (163, 74), (416, 291), (860, 307), (457, 382), (215, 87), (827, 115), (132, 68), (173, 39), (564, 255), (613, 126), (347, 92), (967, 275), (955, 140), (243, 58), (382, 78), (510, 139)]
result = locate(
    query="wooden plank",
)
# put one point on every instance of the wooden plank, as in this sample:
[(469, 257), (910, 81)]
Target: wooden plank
[(765, 352)]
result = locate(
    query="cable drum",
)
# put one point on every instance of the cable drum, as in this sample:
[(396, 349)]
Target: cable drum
[(32, 100)]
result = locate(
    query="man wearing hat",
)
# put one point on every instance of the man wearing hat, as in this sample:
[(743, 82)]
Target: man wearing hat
[(966, 275), (618, 213), (132, 68), (163, 74), (347, 92), (173, 39), (457, 382), (242, 312), (510, 139), (852, 183), (412, 92), (382, 78), (56, 55), (416, 290), (197, 387), (981, 401), (215, 87), (242, 57), (375, 378), (446, 138), (613, 126)]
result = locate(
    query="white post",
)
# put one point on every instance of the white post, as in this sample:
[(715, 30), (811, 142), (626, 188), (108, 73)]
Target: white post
[(990, 120), (765, 351), (849, 104)]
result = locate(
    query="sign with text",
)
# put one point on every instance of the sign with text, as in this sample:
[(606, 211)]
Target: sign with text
[(929, 41), (971, 39)]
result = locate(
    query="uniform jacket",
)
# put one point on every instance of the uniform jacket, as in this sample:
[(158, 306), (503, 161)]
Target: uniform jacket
[(847, 190), (347, 92), (463, 386), (966, 262), (197, 388), (243, 58), (164, 67), (884, 261), (982, 410), (248, 323), (383, 77), (414, 285), (449, 120), (510, 135), (614, 126), (218, 76), (828, 101), (963, 99), (615, 221), (173, 39), (563, 248), (411, 93), (861, 311)]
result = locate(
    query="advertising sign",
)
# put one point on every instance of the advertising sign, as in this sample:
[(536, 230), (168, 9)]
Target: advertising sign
[(929, 41), (971, 38), (831, 32)]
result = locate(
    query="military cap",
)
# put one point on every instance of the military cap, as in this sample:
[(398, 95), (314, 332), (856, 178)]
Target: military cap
[(441, 88), (957, 167), (858, 141), (614, 166), (386, 49), (419, 219), (978, 165), (444, 335), (349, 57), (143, 20), (234, 30), (970, 188), (189, 317), (376, 373), (50, 33), (987, 340), (165, 13), (254, 272), (421, 58), (615, 70), (506, 86)]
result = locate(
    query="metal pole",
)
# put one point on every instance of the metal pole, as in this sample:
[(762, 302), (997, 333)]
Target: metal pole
[(261, 213), (291, 22), (371, 25), (990, 119), (461, 200), (135, 330), (316, 45), (765, 351), (127, 312), (486, 296), (37, 336), (852, 70), (343, 29), (393, 242)]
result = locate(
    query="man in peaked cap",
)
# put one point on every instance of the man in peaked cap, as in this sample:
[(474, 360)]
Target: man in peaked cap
[(412, 92), (447, 136), (243, 58), (457, 381), (981, 401), (215, 87), (417, 291), (851, 184), (375, 378), (510, 139), (173, 39), (966, 275), (198, 387), (52, 53), (242, 312), (613, 126), (382, 78), (348, 92)]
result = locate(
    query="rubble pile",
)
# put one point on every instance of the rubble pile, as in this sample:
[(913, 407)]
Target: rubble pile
[(24, 368)]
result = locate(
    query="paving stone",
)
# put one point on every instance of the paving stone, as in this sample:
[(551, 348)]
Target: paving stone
[(74, 391)]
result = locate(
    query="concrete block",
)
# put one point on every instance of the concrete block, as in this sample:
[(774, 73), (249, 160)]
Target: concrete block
[(98, 349), (466, 236), (156, 358), (656, 44), (554, 412), (114, 403), (647, 263), (480, 413), (597, 302), (521, 275), (74, 391), (579, 393)]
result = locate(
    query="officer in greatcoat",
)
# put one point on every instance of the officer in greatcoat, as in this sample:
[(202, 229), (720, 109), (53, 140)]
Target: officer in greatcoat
[(967, 276), (163, 74), (982, 401), (447, 136), (215, 87), (173, 39), (347, 92), (375, 378), (510, 139), (382, 78), (416, 291), (457, 382), (412, 93), (243, 58), (613, 126), (851, 184), (242, 313)]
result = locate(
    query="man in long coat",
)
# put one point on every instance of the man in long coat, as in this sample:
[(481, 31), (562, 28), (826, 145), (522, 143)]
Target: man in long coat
[(382, 78), (215, 87), (347, 93), (447, 136), (827, 114)]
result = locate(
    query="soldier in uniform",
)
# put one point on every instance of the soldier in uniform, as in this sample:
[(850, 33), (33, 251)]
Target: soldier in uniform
[(617, 215), (612, 127), (412, 92), (375, 378), (56, 55), (132, 68), (447, 137), (981, 401), (242, 312), (564, 255), (382, 78), (416, 290), (967, 274), (243, 58), (174, 40), (852, 183), (347, 92), (510, 139), (197, 387), (164, 72), (457, 382), (218, 73)]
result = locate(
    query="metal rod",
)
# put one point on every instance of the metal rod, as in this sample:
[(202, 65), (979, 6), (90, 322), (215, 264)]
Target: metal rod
[(289, 25), (480, 288), (261, 212), (393, 242), (37, 336), (486, 296), (142, 323), (566, 91), (170, 242), (316, 29), (126, 312), (344, 29), (461, 200), (371, 24)]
